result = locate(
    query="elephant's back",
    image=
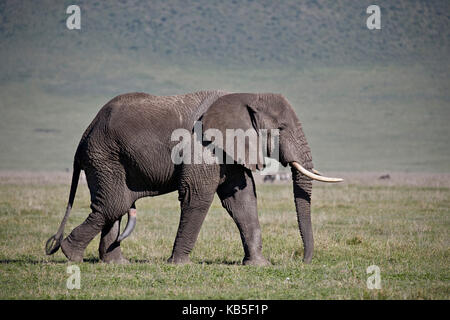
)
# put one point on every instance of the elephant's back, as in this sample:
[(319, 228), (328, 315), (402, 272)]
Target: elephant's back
[(132, 133), (132, 115), (133, 130), (136, 119)]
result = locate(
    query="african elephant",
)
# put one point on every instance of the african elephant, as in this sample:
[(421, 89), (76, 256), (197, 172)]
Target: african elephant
[(126, 155)]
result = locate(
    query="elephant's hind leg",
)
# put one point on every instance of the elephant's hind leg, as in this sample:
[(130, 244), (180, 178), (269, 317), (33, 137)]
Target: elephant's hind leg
[(75, 243), (109, 248)]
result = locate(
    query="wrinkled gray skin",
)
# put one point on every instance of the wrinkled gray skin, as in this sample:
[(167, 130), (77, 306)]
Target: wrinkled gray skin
[(126, 155)]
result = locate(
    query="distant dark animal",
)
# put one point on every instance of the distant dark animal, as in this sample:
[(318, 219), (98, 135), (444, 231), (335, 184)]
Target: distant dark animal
[(269, 178), (276, 177)]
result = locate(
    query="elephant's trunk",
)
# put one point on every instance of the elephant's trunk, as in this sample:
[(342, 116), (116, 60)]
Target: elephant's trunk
[(302, 186)]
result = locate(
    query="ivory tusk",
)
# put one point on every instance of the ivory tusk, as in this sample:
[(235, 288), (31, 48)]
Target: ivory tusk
[(314, 176)]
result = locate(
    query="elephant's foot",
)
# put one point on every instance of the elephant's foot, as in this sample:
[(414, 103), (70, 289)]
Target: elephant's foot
[(176, 259), (115, 256), (120, 260), (256, 261), (71, 253)]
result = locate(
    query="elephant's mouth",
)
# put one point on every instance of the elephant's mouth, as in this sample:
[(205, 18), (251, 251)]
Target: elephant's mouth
[(315, 175)]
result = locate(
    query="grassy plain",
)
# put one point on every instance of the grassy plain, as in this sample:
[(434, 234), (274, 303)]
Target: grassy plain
[(369, 101), (401, 227)]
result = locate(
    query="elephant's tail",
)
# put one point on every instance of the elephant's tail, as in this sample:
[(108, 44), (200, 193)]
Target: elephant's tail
[(54, 242)]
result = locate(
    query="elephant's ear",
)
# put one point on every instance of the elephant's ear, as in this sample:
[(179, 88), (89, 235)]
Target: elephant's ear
[(231, 125)]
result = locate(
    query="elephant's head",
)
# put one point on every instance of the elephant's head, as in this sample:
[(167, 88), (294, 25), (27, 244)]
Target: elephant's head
[(273, 111)]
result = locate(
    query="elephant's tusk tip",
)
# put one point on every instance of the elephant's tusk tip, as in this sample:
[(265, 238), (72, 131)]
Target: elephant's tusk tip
[(315, 176)]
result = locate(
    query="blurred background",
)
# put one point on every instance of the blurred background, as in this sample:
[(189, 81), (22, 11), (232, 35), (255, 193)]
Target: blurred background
[(369, 100)]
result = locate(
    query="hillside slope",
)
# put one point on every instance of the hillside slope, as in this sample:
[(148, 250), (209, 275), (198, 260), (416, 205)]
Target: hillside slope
[(369, 100)]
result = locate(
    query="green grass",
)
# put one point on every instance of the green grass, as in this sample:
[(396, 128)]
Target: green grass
[(368, 101), (403, 230)]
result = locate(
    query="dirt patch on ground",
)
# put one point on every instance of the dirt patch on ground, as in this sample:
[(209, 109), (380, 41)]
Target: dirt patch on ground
[(38, 177), (419, 179), (398, 178)]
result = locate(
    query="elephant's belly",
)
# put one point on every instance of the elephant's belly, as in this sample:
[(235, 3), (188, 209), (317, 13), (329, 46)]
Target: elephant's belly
[(149, 175)]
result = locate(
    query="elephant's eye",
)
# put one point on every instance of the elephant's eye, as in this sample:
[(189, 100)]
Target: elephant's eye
[(282, 126)]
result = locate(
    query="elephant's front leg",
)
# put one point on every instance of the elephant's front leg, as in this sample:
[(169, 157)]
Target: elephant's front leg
[(196, 194), (238, 196)]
